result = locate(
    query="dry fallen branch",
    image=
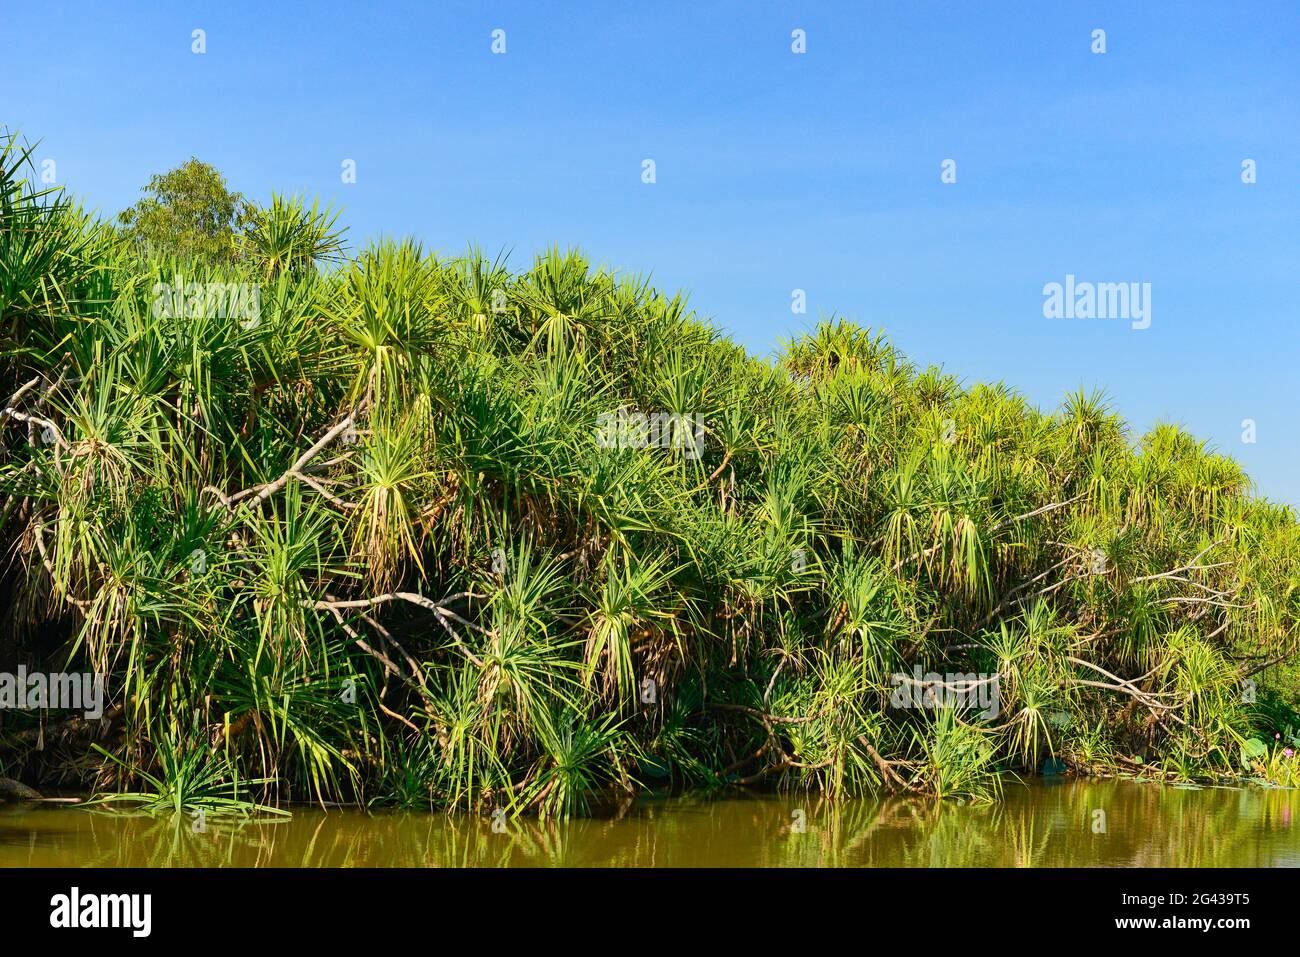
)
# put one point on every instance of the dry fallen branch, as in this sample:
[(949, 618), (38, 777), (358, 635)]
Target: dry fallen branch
[(442, 613), (257, 494), (1036, 512)]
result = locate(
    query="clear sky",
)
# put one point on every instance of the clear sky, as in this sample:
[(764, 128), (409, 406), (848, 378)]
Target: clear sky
[(774, 170)]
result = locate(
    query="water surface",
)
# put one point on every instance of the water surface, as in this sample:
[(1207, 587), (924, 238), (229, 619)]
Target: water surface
[(1043, 824)]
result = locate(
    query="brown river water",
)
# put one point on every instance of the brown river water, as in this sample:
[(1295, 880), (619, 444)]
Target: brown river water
[(1061, 823)]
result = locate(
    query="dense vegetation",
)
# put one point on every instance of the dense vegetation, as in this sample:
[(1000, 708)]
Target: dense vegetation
[(362, 542)]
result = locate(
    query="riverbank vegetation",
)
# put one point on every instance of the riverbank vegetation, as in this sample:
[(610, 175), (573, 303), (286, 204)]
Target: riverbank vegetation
[(346, 528)]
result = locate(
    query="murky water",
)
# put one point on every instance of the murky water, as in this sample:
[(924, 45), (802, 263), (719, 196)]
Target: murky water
[(1044, 824)]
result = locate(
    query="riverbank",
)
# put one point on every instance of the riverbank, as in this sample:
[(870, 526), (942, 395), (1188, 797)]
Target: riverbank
[(396, 528)]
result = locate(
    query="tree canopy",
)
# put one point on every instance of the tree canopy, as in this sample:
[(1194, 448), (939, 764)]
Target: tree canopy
[(188, 213)]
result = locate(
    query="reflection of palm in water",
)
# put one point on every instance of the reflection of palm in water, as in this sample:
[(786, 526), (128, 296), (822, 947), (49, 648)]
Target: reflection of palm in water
[(1035, 826)]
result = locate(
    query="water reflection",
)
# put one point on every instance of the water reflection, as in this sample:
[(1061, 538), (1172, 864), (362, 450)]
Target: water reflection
[(1066, 824)]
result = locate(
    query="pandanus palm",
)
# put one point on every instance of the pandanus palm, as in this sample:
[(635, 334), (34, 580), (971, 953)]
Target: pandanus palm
[(288, 237), (376, 524)]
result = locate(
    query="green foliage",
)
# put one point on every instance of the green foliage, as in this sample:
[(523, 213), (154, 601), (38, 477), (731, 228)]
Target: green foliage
[(287, 237), (189, 214), (367, 545)]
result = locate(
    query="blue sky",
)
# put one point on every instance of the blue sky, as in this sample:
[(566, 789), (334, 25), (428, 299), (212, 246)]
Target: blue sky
[(775, 171)]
